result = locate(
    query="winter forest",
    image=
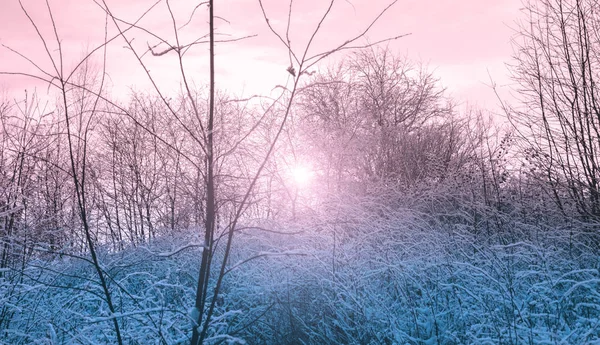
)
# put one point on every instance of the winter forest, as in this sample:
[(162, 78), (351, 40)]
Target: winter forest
[(355, 203)]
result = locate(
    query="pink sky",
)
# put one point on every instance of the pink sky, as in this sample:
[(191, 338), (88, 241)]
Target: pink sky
[(460, 40)]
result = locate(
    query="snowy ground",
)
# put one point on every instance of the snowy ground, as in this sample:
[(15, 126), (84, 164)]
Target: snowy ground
[(395, 277)]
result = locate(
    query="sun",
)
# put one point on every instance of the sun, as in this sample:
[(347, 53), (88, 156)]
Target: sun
[(301, 175)]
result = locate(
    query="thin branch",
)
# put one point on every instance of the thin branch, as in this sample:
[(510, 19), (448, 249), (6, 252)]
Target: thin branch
[(131, 26), (60, 52), (262, 255), (192, 14), (186, 85), (321, 56), (29, 60), (41, 37), (276, 33), (287, 37), (344, 46), (314, 34), (178, 49)]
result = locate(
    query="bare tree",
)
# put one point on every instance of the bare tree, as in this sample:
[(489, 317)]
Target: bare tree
[(79, 104), (556, 66), (383, 120)]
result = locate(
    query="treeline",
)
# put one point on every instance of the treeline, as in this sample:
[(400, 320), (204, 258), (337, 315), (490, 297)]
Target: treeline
[(372, 123)]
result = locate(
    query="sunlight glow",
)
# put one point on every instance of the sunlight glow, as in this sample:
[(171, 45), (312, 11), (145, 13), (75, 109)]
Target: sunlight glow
[(301, 175)]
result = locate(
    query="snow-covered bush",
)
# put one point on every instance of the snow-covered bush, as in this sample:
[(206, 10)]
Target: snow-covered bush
[(356, 271)]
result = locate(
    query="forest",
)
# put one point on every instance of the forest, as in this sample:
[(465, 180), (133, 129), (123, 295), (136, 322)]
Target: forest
[(356, 204)]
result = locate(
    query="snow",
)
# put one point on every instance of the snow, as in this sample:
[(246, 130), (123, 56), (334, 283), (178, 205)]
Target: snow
[(395, 279)]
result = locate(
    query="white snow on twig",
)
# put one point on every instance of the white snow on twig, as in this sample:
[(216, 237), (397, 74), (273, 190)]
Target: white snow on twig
[(264, 254), (178, 250), (120, 315)]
